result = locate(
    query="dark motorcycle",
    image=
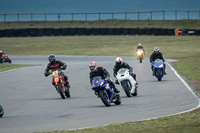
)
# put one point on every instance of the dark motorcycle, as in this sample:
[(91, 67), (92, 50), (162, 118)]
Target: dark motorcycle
[(105, 92), (1, 111), (5, 58)]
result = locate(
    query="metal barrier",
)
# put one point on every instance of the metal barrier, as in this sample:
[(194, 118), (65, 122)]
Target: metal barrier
[(150, 15)]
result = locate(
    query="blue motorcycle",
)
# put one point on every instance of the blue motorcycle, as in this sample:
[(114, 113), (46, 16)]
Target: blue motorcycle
[(105, 92), (158, 69)]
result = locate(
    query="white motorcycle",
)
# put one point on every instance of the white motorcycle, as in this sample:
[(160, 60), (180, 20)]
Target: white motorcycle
[(127, 82)]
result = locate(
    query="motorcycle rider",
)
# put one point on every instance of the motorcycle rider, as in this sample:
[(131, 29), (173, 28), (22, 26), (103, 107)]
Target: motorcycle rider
[(100, 71), (119, 63), (157, 55), (55, 65), (140, 47)]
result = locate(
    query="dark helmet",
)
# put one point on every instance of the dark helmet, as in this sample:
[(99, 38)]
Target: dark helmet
[(118, 61), (52, 58), (93, 66), (156, 50)]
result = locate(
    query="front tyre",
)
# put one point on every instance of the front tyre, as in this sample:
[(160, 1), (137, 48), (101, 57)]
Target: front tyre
[(1, 111), (126, 89), (62, 94), (140, 59), (10, 61), (105, 98), (159, 75)]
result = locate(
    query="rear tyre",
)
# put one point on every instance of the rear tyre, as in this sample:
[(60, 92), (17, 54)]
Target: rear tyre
[(135, 93), (67, 92), (10, 61), (105, 99), (62, 94), (118, 101), (126, 89), (1, 111)]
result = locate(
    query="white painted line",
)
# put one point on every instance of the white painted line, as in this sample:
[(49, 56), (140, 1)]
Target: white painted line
[(188, 87)]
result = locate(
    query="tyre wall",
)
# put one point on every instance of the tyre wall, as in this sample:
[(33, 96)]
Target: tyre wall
[(37, 32)]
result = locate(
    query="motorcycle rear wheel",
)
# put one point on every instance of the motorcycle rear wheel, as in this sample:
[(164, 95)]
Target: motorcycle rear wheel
[(67, 92), (105, 99), (1, 111), (118, 102)]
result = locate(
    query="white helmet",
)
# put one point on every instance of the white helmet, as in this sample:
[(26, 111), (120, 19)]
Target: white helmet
[(139, 44), (156, 50)]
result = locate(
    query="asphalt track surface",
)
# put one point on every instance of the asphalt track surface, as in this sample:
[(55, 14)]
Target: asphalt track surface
[(32, 104)]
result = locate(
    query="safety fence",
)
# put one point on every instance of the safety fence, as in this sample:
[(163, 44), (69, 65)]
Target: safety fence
[(37, 32), (149, 15)]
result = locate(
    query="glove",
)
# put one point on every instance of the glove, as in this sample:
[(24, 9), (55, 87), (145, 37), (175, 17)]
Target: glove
[(62, 68), (46, 74), (107, 78)]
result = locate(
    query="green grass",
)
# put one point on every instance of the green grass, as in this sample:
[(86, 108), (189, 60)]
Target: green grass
[(5, 67), (171, 46), (189, 67), (181, 24)]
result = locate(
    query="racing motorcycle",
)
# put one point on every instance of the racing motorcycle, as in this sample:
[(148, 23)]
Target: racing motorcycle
[(1, 111), (127, 82), (59, 82), (158, 69), (105, 92), (140, 55), (5, 58)]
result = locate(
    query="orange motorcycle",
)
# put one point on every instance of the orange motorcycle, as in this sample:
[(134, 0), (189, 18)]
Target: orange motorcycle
[(59, 83)]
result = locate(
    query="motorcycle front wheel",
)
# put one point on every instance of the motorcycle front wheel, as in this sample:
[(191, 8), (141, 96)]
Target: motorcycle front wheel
[(62, 94), (105, 98), (1, 111), (159, 75), (126, 89)]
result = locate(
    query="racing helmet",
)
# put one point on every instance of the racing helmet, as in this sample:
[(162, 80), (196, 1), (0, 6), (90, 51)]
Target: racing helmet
[(118, 61), (139, 44), (51, 58), (93, 66), (156, 50)]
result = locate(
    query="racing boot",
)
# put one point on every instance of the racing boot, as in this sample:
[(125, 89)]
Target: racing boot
[(116, 82), (116, 90), (165, 73), (67, 84)]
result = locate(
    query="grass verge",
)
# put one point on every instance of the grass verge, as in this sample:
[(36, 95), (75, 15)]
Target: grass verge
[(181, 24), (5, 67)]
